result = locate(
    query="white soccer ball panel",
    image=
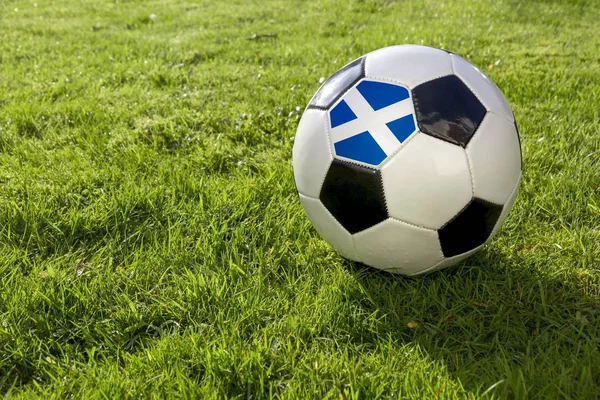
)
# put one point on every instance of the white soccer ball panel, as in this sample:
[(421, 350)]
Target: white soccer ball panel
[(398, 247), (328, 227), (495, 156), (428, 182), (409, 65), (311, 155), (483, 87), (506, 210)]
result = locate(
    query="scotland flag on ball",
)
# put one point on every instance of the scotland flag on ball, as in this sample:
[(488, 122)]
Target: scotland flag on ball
[(371, 120)]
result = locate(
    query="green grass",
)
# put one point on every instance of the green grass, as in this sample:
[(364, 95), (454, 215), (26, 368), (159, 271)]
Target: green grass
[(152, 243)]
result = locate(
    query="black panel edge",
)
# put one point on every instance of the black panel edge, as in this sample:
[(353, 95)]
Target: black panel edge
[(313, 107), (352, 164), (442, 137), (473, 200), (487, 202), (457, 214), (519, 139), (380, 180), (325, 107), (498, 208)]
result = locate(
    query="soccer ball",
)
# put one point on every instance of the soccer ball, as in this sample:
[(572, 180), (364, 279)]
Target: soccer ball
[(407, 159)]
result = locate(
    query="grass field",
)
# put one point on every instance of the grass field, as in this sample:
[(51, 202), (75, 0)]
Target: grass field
[(152, 243)]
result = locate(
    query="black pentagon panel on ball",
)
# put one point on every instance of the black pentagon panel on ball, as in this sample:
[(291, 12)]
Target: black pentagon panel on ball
[(447, 109), (337, 84), (353, 194), (470, 228)]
